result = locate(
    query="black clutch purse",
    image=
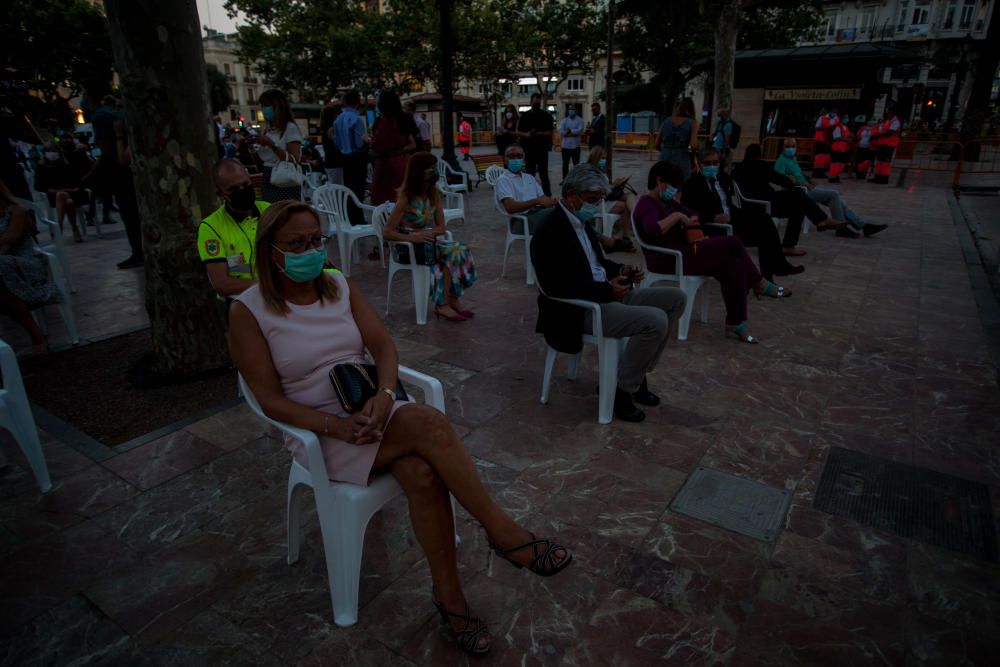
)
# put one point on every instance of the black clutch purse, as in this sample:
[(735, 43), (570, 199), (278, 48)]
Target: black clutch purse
[(356, 383)]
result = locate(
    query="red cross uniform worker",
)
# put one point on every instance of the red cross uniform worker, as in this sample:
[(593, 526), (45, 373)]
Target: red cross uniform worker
[(841, 148), (464, 137), (888, 140), (821, 143)]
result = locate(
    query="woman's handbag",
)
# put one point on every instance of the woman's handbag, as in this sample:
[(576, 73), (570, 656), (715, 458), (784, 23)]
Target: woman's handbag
[(287, 173), (356, 383)]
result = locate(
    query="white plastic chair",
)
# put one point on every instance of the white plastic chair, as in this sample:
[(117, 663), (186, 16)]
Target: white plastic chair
[(55, 246), (608, 219), (311, 182), (445, 170), (344, 509), (688, 284), (512, 237), (16, 417), (421, 275), (454, 204), (331, 200), (492, 174), (609, 351), (739, 199)]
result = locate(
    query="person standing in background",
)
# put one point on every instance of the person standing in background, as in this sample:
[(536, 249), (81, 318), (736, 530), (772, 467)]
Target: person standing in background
[(598, 128), (280, 142), (866, 144), (332, 159), (841, 148), (535, 130), (351, 140), (888, 140), (464, 136), (677, 139), (423, 137), (507, 132), (571, 129)]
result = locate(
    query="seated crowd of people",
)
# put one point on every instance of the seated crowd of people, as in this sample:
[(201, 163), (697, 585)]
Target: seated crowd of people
[(269, 262)]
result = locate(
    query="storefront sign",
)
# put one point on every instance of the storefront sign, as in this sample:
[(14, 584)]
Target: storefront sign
[(807, 94)]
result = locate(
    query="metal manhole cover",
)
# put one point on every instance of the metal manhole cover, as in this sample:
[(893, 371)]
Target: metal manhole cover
[(913, 502), (731, 502)]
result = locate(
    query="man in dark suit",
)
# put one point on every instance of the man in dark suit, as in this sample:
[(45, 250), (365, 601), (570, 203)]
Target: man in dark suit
[(709, 191), (569, 263)]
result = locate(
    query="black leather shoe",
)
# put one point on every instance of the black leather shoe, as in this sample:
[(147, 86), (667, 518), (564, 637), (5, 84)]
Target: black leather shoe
[(848, 233), (872, 229), (625, 409), (644, 396)]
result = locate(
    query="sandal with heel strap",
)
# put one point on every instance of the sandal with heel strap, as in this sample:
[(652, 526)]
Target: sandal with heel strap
[(543, 562), (739, 332), (773, 291), (468, 636)]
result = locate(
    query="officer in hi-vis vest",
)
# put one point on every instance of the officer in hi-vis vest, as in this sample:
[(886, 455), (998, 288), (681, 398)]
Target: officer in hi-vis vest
[(821, 142)]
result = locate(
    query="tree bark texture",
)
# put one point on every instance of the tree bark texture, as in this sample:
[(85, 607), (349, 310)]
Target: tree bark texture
[(727, 29), (158, 56)]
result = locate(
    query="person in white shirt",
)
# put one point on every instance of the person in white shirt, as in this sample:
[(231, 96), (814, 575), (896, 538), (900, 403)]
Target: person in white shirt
[(571, 129), (520, 193), (423, 127), (281, 141)]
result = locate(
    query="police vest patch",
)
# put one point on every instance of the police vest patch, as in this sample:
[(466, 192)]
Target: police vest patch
[(212, 247)]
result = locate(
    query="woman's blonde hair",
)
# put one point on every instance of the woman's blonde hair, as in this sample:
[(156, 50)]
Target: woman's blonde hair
[(596, 154), (271, 221)]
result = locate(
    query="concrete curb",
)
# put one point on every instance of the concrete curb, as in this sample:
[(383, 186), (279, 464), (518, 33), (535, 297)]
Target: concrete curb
[(982, 273)]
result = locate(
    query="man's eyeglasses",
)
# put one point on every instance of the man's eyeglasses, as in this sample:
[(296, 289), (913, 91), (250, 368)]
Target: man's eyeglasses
[(300, 245)]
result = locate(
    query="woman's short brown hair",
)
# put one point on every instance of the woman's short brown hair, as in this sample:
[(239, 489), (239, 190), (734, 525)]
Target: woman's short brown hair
[(415, 183), (272, 220)]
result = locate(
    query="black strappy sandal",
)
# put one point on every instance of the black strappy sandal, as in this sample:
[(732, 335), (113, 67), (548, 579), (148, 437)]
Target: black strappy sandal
[(468, 636), (543, 564)]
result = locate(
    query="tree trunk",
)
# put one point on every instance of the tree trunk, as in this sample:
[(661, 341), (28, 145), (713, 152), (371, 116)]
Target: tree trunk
[(158, 56), (977, 109), (445, 8), (727, 28)]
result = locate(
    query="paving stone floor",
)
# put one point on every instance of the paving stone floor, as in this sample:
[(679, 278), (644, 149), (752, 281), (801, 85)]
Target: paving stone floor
[(173, 553)]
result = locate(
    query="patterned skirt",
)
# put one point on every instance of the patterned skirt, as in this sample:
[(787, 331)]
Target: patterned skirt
[(457, 259)]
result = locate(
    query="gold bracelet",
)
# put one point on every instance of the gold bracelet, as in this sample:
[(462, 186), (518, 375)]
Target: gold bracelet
[(389, 392)]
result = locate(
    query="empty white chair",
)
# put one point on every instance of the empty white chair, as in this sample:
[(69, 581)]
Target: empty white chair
[(445, 170), (16, 417), (421, 275), (310, 183), (512, 236), (493, 173), (608, 219), (454, 204), (331, 201), (609, 351), (689, 284), (344, 510)]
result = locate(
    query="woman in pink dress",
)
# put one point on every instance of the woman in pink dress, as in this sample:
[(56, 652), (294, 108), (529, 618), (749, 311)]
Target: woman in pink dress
[(289, 330)]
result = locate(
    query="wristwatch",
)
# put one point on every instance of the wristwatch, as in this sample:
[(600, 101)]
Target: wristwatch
[(389, 392)]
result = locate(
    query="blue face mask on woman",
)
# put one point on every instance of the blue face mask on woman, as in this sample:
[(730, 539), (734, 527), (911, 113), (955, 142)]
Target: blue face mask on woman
[(268, 112), (602, 163), (669, 193), (710, 172), (304, 266), (516, 166), (789, 152)]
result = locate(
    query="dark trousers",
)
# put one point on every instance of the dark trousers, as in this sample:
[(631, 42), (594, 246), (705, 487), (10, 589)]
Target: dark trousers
[(123, 188), (355, 175), (725, 259), (570, 155), (795, 205), (754, 228), (536, 160)]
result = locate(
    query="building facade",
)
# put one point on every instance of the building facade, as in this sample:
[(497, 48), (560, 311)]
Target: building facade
[(245, 84)]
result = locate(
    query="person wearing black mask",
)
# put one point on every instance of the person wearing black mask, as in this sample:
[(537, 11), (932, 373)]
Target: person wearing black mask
[(226, 237), (534, 127)]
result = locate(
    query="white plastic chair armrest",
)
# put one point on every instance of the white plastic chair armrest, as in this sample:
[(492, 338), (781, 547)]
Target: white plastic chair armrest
[(593, 306), (676, 254), (759, 202), (431, 386)]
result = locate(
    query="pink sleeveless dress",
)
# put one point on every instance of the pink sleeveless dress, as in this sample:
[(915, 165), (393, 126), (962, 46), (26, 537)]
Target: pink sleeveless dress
[(305, 344)]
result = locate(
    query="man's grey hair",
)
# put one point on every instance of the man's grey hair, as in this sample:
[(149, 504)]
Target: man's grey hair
[(585, 178)]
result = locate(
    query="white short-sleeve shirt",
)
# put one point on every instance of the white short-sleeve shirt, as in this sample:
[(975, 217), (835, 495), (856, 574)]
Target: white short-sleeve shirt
[(291, 134), (519, 187)]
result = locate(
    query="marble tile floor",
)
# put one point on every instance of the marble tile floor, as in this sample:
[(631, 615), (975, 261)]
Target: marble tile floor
[(173, 553)]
